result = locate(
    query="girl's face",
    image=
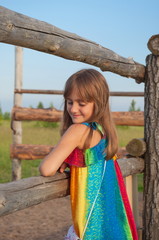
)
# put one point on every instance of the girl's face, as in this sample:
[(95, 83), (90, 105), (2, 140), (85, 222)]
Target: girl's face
[(79, 110)]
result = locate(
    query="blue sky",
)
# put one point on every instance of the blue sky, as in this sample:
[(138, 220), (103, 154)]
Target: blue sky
[(122, 26)]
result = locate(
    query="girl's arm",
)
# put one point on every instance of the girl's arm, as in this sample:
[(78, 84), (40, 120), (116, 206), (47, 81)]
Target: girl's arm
[(69, 141)]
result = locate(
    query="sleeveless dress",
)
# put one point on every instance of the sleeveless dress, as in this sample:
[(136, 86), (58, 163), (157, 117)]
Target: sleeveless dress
[(99, 202)]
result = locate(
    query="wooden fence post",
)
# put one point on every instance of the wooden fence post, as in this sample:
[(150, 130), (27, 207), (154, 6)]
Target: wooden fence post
[(17, 125), (151, 176)]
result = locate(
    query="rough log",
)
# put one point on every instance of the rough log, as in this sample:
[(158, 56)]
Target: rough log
[(136, 147), (32, 152), (29, 152), (36, 91), (135, 118), (32, 191), (52, 115), (153, 44), (60, 92), (49, 114), (20, 30), (151, 176), (17, 125), (131, 166), (27, 192)]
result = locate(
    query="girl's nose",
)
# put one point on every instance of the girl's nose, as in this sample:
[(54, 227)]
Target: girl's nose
[(74, 108)]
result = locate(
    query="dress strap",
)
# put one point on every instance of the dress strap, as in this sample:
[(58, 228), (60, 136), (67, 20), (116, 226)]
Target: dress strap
[(94, 126)]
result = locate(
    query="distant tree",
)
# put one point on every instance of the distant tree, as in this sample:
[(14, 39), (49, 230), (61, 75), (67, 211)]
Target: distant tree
[(51, 105), (6, 116), (1, 114), (1, 110), (40, 105), (133, 106)]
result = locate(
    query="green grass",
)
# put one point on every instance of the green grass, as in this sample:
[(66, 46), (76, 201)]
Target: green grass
[(140, 182), (126, 133), (35, 134), (5, 141), (31, 135)]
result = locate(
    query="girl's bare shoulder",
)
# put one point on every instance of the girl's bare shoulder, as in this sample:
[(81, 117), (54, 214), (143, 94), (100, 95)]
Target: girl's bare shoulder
[(77, 133), (78, 129)]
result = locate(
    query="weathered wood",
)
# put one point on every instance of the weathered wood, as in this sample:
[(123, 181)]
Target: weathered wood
[(27, 192), (135, 200), (20, 30), (136, 147), (135, 118), (17, 125), (47, 114), (60, 92), (151, 176), (32, 191), (127, 94), (131, 166), (39, 91), (52, 115), (29, 152), (153, 44)]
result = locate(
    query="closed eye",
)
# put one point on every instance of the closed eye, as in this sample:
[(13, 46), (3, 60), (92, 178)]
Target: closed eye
[(69, 102), (82, 104)]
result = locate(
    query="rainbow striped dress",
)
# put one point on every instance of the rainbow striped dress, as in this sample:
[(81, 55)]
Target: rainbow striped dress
[(99, 202)]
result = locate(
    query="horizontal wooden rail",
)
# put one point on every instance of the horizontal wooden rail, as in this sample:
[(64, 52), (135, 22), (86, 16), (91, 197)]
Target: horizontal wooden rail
[(32, 191), (134, 118), (29, 151), (33, 114), (36, 91), (20, 30), (60, 92), (52, 115), (27, 192)]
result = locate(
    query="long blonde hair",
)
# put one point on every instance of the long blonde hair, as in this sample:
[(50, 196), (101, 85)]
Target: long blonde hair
[(92, 87)]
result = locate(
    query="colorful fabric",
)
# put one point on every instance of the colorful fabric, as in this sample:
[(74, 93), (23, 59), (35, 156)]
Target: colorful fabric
[(71, 235), (100, 206)]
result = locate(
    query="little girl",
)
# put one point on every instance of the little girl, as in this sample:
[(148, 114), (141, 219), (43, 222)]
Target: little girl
[(100, 207)]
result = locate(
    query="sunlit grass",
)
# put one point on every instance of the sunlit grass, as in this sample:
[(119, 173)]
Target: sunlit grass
[(39, 135), (126, 133), (31, 135)]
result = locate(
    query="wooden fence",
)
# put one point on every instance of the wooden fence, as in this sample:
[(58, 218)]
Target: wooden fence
[(27, 192)]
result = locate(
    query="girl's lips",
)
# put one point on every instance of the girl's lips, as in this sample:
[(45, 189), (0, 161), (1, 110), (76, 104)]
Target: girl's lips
[(74, 116)]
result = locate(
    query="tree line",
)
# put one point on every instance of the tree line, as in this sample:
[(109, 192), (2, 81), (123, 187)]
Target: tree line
[(5, 115)]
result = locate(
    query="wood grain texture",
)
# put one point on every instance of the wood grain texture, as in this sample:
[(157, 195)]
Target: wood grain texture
[(153, 44), (136, 147), (135, 118), (20, 30), (151, 176)]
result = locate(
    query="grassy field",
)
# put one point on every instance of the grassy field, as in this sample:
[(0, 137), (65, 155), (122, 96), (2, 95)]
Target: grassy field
[(34, 134)]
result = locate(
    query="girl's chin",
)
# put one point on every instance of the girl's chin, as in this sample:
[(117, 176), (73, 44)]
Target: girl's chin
[(76, 121)]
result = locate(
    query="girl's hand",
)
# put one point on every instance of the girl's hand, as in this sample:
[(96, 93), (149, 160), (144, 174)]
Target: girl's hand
[(63, 167)]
